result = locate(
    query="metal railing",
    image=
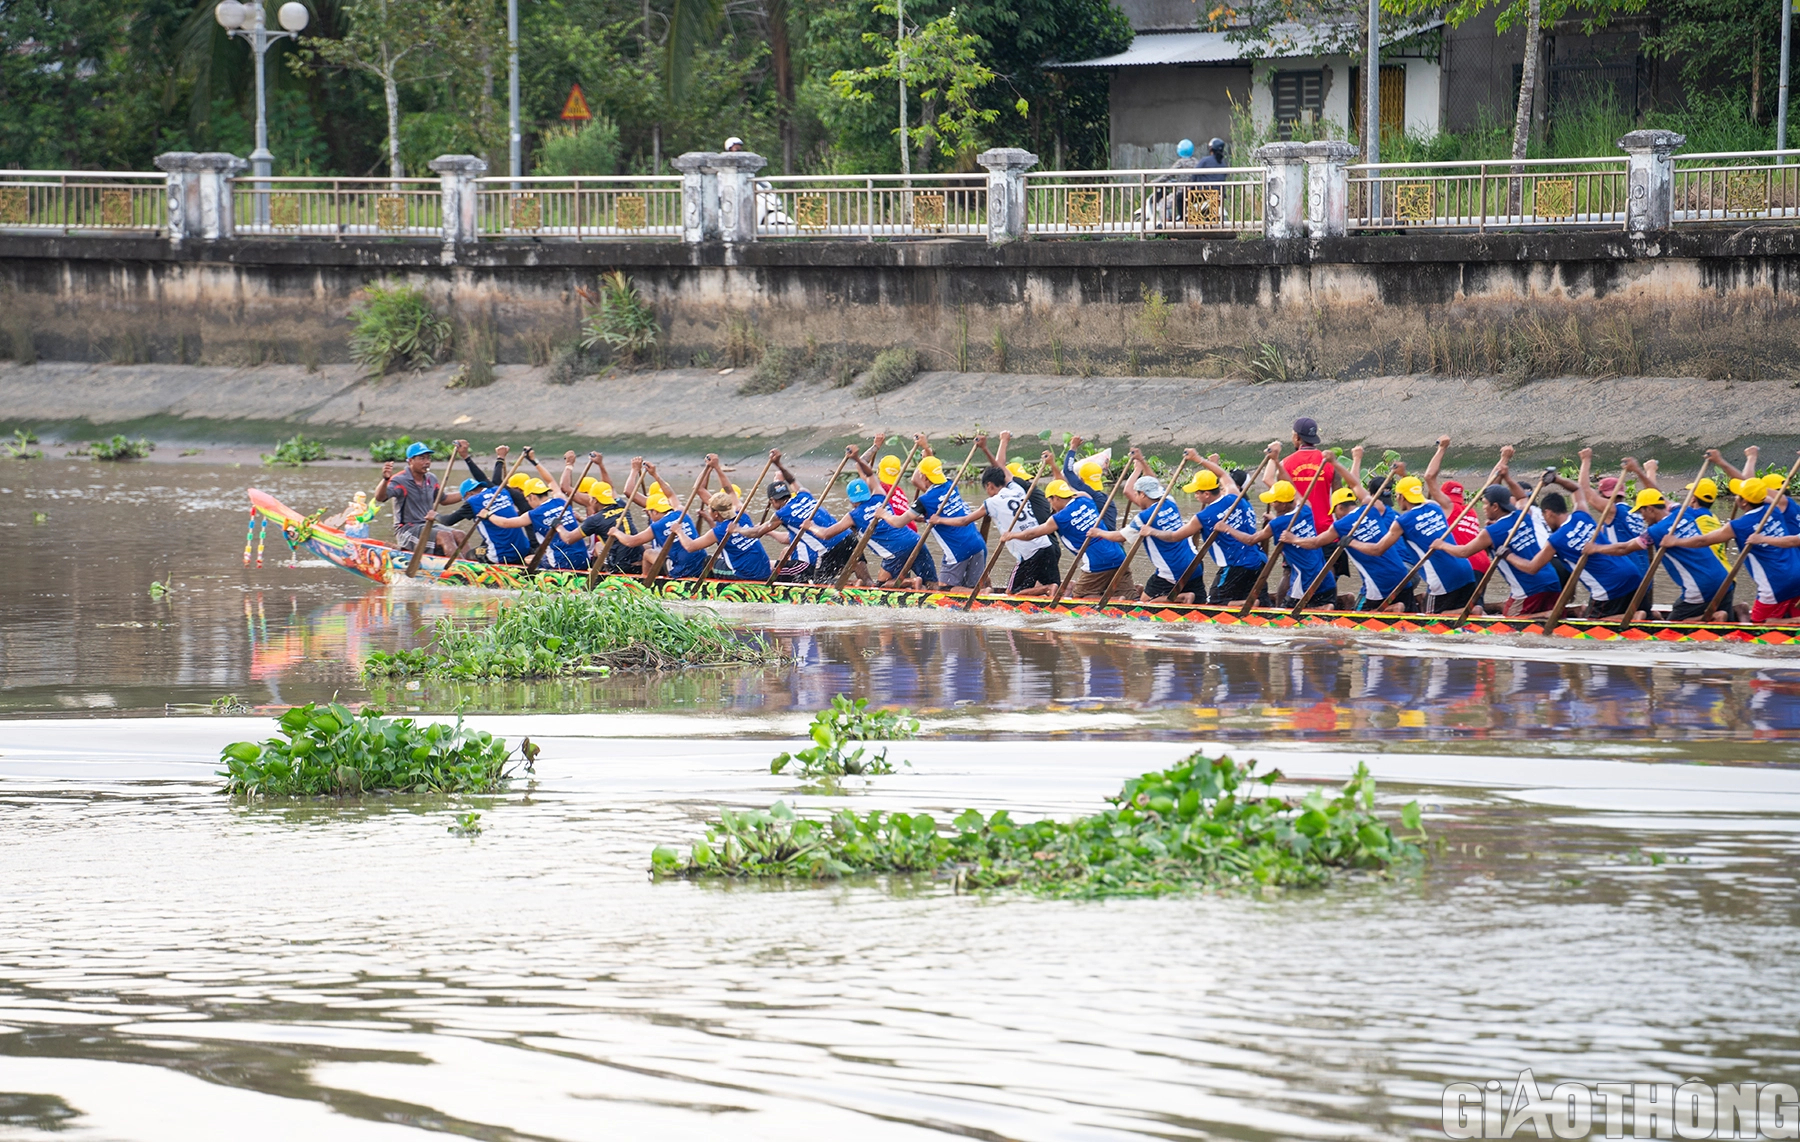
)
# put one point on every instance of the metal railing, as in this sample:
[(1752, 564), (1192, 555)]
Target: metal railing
[(1489, 193), (338, 207), (579, 207), (872, 206), (68, 202), (1144, 202), (1736, 186)]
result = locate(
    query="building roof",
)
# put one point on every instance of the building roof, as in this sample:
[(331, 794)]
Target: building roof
[(1287, 42)]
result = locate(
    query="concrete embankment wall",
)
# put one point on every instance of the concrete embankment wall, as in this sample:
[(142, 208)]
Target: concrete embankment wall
[(1713, 303)]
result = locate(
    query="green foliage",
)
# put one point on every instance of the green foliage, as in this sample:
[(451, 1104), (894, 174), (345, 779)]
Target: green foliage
[(1201, 823), (295, 451), (544, 633), (120, 448), (849, 721), (1382, 467), (467, 825), (781, 366), (20, 446), (589, 149), (395, 449), (332, 750), (622, 320), (161, 587), (892, 369), (39, 517), (396, 325)]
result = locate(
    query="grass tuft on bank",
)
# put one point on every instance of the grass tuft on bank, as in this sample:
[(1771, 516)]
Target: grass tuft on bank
[(1199, 824), (546, 633), (334, 751)]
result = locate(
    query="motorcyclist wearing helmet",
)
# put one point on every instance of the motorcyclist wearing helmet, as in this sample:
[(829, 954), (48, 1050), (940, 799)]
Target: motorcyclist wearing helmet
[(1215, 157)]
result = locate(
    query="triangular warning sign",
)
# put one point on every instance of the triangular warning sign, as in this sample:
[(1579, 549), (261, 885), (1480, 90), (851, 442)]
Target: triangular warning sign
[(576, 107)]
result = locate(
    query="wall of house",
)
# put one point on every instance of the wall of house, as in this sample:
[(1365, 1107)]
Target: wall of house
[(1422, 105), (1153, 108), (1422, 99)]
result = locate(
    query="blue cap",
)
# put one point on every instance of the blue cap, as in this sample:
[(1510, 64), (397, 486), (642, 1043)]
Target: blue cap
[(1185, 148), (469, 485), (857, 491), (418, 448)]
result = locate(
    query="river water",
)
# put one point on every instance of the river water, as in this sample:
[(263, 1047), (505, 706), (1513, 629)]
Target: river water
[(1611, 893)]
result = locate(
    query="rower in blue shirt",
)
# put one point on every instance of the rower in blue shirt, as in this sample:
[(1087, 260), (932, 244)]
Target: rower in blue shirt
[(1292, 522), (891, 540), (1171, 558), (1073, 515), (1224, 511)]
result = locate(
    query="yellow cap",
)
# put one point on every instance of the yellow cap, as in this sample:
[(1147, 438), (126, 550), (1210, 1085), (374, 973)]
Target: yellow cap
[(933, 469), (535, 487), (1059, 490), (655, 501), (889, 469), (1751, 491), (1018, 469), (1773, 484), (1282, 493), (517, 480), (1411, 489), (1650, 498), (602, 491), (1343, 496), (1090, 471), (738, 492), (1203, 481), (1704, 490)]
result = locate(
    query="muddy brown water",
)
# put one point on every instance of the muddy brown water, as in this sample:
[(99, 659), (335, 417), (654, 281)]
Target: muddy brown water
[(1611, 895)]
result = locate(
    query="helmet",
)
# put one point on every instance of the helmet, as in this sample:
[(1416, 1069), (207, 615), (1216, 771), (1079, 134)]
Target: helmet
[(1217, 146), (1185, 148)]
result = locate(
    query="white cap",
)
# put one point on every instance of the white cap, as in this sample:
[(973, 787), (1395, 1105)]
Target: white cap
[(734, 141), (1149, 486)]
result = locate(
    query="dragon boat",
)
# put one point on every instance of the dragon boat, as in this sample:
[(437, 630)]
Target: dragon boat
[(383, 563)]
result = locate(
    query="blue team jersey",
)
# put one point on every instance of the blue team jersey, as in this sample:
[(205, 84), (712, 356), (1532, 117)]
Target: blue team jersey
[(1303, 565), (957, 543), (1606, 577), (1074, 522), (556, 513), (1226, 551), (1530, 539), (1170, 557), (1774, 570), (1697, 571), (1443, 572), (681, 563), (796, 512), (1381, 573), (1110, 518), (505, 544), (886, 541), (744, 557)]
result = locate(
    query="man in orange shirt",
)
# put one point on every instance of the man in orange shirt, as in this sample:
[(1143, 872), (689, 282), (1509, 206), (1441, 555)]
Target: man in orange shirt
[(1301, 465)]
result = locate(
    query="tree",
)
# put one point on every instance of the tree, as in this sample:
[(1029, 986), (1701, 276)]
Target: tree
[(1722, 44), (940, 61)]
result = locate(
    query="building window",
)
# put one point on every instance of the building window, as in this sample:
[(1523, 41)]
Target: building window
[(1299, 97), (1393, 101)]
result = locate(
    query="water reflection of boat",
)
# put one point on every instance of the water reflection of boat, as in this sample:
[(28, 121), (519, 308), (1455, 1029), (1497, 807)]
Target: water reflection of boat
[(382, 563)]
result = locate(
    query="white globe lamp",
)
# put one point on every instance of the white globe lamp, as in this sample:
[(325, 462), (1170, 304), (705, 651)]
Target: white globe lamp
[(293, 16), (230, 14)]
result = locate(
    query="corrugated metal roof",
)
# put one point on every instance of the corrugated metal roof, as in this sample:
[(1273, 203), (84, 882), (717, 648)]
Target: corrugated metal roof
[(1287, 42)]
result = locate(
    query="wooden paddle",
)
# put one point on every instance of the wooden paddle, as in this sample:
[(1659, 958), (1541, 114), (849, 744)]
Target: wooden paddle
[(425, 528), (552, 526), (1149, 522), (599, 560), (931, 523), (1087, 539), (1768, 507), (475, 524), (1262, 577), (654, 570), (1212, 537), (1656, 554), (1012, 523), (1449, 528), (719, 547), (1480, 590), (862, 541), (800, 530), (1587, 549), (1325, 569)]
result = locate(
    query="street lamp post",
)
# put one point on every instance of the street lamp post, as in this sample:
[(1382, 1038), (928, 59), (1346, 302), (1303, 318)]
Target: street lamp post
[(247, 20)]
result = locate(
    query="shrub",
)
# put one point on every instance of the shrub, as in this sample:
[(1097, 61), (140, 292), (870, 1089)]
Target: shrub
[(893, 368), (849, 721), (622, 320), (543, 633), (120, 448), (778, 369), (568, 364), (332, 750), (381, 450), (396, 325), (478, 348), (295, 451), (1201, 823), (592, 148)]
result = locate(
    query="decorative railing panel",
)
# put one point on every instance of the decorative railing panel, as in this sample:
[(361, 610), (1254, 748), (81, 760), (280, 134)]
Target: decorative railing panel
[(1139, 203), (74, 202), (338, 207), (579, 207), (872, 206), (1488, 195)]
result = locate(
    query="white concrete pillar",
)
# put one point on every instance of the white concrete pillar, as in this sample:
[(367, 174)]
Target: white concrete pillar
[(1650, 179), (200, 193), (1284, 189), (699, 195), (1006, 167), (456, 177), (734, 174), (1328, 188)]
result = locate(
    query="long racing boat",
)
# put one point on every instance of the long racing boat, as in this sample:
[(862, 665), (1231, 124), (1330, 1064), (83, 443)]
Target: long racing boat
[(383, 563)]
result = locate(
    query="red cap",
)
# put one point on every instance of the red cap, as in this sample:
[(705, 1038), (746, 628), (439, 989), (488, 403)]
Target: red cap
[(1608, 484), (1452, 489)]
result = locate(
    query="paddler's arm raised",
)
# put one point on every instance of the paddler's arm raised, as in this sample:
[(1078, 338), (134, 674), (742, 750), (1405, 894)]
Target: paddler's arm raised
[(1430, 477), (865, 461), (787, 477)]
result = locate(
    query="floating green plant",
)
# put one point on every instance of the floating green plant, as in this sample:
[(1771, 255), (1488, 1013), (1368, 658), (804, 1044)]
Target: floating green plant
[(293, 452), (848, 721), (1201, 823), (333, 750), (120, 448)]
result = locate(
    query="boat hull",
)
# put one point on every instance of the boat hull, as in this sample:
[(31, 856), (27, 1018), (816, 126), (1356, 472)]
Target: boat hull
[(383, 563)]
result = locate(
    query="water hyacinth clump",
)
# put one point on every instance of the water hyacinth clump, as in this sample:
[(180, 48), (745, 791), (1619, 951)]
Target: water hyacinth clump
[(544, 633), (1201, 823), (334, 750), (847, 721)]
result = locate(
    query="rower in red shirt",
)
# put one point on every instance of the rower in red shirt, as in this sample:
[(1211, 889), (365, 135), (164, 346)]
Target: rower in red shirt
[(1301, 465)]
